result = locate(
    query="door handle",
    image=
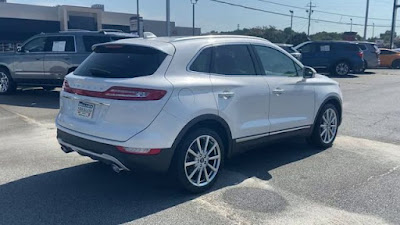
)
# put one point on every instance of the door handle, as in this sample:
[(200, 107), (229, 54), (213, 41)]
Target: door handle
[(226, 95), (278, 91)]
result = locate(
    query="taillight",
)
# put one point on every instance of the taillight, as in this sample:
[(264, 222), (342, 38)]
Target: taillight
[(119, 93), (139, 151), (361, 54)]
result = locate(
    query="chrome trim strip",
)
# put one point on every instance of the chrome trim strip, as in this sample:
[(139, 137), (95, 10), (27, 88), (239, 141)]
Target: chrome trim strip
[(239, 140), (102, 156), (90, 101)]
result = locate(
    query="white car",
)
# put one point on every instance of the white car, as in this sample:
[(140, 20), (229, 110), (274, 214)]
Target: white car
[(187, 104)]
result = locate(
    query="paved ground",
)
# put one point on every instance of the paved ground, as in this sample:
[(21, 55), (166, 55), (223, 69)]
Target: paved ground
[(355, 182)]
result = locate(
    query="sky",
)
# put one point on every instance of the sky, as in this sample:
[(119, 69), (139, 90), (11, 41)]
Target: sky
[(221, 17)]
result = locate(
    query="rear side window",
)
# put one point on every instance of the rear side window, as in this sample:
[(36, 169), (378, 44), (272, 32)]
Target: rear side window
[(60, 44), (363, 47), (308, 48), (89, 41), (121, 61), (202, 62), (232, 60)]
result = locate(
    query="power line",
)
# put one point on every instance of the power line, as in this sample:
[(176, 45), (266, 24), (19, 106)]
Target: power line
[(322, 11), (288, 15)]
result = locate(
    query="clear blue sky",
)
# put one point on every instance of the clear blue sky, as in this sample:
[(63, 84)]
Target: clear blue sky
[(220, 17)]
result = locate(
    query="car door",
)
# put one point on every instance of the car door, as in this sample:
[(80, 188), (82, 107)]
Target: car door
[(29, 64), (240, 92), (291, 103), (60, 51)]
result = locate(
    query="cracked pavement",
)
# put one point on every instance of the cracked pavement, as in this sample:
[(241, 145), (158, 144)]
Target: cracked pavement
[(357, 181)]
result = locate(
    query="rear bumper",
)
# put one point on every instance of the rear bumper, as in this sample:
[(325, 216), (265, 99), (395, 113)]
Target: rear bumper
[(110, 155)]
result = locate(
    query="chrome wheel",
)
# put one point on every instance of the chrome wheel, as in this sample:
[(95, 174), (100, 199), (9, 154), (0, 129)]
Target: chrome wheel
[(202, 161), (342, 69), (4, 82), (328, 127)]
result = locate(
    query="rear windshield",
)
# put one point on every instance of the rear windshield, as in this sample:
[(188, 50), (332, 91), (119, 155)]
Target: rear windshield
[(119, 61)]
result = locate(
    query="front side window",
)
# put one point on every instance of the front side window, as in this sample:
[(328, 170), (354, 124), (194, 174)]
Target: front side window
[(275, 63), (35, 45), (60, 44), (308, 48), (232, 60), (202, 62)]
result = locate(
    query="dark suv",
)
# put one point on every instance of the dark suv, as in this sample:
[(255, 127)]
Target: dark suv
[(45, 59), (339, 57)]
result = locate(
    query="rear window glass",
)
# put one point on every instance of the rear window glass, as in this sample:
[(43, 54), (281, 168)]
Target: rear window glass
[(232, 60), (89, 41), (347, 47), (119, 61), (363, 47)]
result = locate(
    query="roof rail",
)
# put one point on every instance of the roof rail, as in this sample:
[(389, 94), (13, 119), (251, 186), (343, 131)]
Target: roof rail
[(74, 30), (219, 36), (111, 30)]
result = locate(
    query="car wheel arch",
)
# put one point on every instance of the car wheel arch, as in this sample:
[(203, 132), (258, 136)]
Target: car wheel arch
[(330, 100), (211, 121)]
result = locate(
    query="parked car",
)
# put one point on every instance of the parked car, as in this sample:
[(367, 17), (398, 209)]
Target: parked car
[(338, 57), (187, 104), (371, 55), (45, 59), (289, 48), (390, 58)]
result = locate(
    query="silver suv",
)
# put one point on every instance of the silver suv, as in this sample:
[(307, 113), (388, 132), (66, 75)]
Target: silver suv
[(45, 59)]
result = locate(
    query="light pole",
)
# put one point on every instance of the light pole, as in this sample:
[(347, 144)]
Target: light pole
[(291, 19), (351, 24), (138, 19), (394, 17), (194, 2), (168, 18)]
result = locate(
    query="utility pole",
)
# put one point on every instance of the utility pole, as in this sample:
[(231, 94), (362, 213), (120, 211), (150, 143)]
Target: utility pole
[(138, 18), (168, 18), (373, 30), (238, 27), (351, 24), (310, 11), (194, 2), (393, 33), (366, 21), (291, 19)]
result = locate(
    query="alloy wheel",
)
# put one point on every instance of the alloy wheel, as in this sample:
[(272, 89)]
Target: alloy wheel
[(342, 69), (328, 127), (202, 161), (4, 82)]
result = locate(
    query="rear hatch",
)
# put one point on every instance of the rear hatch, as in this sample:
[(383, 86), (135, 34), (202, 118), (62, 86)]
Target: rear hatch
[(118, 90)]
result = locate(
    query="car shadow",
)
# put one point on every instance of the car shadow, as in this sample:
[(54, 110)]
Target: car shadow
[(37, 98), (93, 194)]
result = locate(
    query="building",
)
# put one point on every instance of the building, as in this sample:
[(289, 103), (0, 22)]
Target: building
[(19, 22)]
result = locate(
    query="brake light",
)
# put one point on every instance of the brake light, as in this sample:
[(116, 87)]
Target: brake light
[(119, 93), (139, 151), (361, 54)]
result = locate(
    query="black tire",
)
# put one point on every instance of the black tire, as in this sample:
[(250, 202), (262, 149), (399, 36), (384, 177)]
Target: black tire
[(316, 137), (7, 85), (396, 64), (180, 159), (341, 68)]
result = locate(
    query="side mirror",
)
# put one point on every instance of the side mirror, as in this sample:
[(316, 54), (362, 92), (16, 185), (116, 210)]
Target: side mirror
[(308, 72)]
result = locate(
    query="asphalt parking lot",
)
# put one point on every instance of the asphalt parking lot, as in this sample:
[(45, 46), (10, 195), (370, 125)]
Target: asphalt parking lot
[(357, 181)]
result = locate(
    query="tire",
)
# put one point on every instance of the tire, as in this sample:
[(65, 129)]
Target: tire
[(341, 68), (188, 164), (321, 137), (396, 64), (7, 85)]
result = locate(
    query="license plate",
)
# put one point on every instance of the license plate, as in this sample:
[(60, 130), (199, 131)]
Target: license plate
[(85, 109)]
